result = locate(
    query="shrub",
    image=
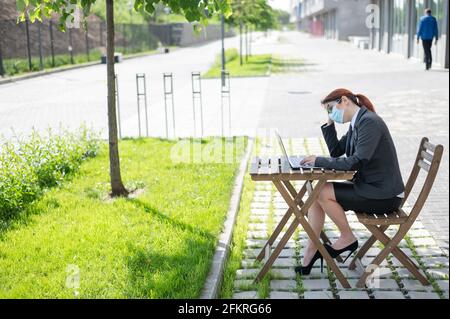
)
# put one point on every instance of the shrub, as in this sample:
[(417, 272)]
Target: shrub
[(29, 166)]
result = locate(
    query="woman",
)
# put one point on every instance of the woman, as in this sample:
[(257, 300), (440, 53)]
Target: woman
[(377, 186)]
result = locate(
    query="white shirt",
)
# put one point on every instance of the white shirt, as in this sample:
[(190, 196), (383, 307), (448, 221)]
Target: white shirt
[(354, 119), (352, 123)]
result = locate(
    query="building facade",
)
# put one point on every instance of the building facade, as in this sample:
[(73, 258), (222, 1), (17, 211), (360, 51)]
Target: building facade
[(333, 19), (395, 29)]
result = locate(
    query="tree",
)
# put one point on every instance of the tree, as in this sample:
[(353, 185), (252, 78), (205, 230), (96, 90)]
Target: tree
[(261, 16), (193, 10), (283, 16), (238, 19), (257, 13)]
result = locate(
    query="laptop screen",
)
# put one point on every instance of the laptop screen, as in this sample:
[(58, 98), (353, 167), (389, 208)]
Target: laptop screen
[(280, 141)]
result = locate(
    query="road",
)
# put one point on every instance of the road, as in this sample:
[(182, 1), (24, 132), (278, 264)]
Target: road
[(78, 96)]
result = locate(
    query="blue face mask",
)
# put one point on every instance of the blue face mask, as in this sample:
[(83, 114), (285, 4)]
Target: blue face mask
[(337, 115)]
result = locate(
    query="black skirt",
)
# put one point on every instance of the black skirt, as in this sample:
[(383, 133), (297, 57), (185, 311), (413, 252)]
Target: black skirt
[(349, 200)]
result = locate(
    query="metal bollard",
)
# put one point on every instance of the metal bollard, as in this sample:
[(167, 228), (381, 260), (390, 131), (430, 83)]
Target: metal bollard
[(118, 107), (141, 92), (2, 68), (168, 94), (225, 94), (70, 48), (27, 32), (52, 43), (86, 40), (41, 61), (197, 94)]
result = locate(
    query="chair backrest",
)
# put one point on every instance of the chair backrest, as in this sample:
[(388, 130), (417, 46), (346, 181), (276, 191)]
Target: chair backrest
[(428, 159)]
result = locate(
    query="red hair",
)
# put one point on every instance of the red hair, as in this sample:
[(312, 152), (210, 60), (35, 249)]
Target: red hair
[(358, 99)]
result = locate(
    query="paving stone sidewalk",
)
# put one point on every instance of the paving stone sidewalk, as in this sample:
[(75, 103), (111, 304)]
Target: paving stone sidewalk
[(395, 281)]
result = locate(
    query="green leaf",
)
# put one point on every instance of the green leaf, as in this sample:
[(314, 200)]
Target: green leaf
[(21, 5), (138, 4), (21, 17)]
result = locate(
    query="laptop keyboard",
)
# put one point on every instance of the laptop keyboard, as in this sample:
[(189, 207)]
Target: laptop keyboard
[(295, 162)]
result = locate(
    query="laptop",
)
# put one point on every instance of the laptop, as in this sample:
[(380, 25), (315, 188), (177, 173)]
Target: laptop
[(294, 161)]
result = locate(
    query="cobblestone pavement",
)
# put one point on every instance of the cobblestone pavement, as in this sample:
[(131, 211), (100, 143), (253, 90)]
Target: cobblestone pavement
[(395, 282)]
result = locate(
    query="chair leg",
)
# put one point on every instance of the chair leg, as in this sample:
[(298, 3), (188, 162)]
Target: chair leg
[(401, 256), (389, 245), (372, 267), (411, 266), (365, 247)]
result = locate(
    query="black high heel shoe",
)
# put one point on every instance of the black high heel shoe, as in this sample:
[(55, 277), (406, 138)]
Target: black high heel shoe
[(306, 270), (336, 252)]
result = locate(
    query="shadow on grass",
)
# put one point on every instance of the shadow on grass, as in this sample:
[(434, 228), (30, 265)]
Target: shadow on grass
[(262, 61), (169, 220), (23, 218), (282, 64), (154, 274)]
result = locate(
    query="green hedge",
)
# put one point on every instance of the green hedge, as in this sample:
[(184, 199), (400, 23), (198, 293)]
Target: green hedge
[(29, 166), (19, 66)]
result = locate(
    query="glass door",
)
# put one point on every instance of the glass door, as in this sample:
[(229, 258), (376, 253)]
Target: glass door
[(437, 7), (418, 12), (399, 25)]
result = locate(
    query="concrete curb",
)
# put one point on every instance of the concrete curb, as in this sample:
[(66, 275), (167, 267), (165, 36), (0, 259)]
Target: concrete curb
[(70, 67), (215, 276)]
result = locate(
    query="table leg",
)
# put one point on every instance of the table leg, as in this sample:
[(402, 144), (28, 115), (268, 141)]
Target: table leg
[(293, 192), (274, 255), (293, 205), (283, 222), (300, 214)]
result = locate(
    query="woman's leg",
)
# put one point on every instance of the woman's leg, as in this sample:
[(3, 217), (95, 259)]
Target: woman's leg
[(316, 218), (327, 200)]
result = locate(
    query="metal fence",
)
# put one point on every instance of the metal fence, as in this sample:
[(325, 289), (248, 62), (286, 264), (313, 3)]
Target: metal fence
[(35, 46)]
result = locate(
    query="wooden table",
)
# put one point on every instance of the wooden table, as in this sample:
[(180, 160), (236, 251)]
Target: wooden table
[(278, 171)]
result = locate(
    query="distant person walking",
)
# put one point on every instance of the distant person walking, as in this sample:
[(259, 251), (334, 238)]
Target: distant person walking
[(427, 30)]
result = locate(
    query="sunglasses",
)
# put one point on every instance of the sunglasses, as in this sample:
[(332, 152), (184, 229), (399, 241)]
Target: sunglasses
[(329, 106)]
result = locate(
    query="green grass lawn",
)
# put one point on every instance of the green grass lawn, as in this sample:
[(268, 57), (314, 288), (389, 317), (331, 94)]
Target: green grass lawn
[(256, 65), (157, 245)]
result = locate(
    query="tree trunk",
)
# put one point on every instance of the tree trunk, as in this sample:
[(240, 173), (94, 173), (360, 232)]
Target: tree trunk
[(250, 43), (246, 43), (117, 187), (240, 43)]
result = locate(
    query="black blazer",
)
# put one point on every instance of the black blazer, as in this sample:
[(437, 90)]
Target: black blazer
[(371, 153)]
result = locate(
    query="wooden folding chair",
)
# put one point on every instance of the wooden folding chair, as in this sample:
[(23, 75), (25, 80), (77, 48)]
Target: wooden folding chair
[(428, 158)]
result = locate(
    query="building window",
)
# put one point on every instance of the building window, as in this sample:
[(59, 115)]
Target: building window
[(399, 26), (418, 12)]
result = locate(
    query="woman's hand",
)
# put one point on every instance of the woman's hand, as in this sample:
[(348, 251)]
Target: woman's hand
[(309, 160), (330, 121)]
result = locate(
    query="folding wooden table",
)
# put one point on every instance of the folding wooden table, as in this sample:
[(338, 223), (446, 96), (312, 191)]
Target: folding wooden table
[(278, 171)]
